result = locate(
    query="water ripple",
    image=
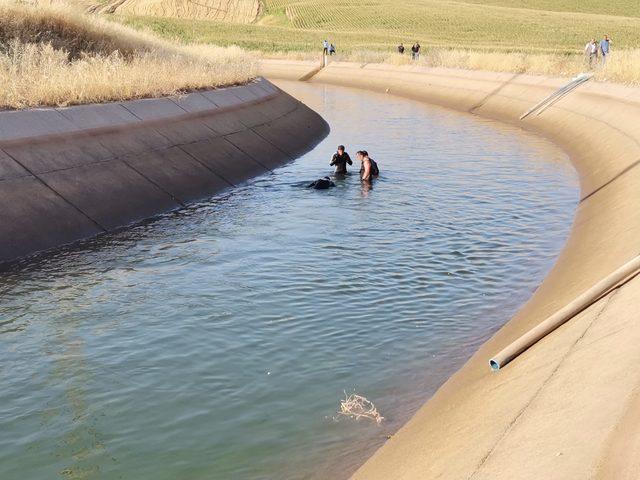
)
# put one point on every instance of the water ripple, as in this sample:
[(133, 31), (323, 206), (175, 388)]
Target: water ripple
[(216, 341)]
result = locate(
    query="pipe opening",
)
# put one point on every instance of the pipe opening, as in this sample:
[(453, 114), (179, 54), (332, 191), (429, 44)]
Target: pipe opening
[(614, 280)]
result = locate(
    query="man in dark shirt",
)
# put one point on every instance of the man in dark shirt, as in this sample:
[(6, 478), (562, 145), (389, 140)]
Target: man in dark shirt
[(340, 160), (401, 49), (415, 51)]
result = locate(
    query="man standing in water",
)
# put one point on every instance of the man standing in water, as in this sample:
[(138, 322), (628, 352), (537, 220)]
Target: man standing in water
[(369, 168), (340, 160)]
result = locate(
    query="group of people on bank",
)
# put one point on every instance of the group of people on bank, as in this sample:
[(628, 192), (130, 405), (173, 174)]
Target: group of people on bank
[(328, 48), (415, 50), (597, 52)]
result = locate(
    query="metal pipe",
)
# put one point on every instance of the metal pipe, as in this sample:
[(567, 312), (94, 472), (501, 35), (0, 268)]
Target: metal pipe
[(552, 101), (580, 79), (556, 94), (545, 100), (583, 301)]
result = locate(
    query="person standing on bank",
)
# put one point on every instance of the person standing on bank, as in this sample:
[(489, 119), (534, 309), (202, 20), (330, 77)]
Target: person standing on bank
[(415, 51), (401, 49), (325, 47), (340, 160), (332, 49), (591, 52), (604, 49)]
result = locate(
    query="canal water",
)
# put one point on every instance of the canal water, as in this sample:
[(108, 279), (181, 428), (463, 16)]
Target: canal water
[(216, 342)]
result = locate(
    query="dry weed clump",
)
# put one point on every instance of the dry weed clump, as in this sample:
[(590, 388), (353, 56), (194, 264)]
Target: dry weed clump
[(356, 406), (56, 56), (66, 28)]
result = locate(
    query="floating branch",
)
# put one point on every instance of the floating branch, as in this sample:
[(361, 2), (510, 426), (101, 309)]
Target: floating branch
[(356, 406)]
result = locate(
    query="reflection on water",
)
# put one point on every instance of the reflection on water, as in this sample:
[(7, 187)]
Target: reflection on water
[(217, 341)]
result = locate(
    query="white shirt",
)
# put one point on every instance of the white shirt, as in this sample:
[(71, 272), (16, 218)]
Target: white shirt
[(591, 47)]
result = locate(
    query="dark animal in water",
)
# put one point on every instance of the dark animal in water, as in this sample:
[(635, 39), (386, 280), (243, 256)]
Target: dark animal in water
[(321, 184)]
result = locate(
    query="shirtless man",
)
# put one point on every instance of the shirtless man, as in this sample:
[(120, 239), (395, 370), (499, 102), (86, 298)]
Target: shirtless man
[(369, 168)]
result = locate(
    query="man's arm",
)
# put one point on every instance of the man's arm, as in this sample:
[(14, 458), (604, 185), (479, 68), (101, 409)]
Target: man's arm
[(333, 160), (366, 175), (348, 159)]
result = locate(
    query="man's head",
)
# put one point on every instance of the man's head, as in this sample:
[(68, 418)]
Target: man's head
[(361, 155), (593, 40), (606, 37), (340, 149)]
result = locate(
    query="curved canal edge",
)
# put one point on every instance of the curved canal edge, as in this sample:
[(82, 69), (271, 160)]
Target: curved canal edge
[(565, 408), (72, 173)]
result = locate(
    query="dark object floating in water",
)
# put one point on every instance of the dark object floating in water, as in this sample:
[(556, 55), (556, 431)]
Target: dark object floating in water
[(321, 184)]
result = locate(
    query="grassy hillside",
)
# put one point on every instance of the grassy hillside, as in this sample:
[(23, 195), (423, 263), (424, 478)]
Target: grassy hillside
[(624, 8), (561, 26), (58, 56), (233, 11)]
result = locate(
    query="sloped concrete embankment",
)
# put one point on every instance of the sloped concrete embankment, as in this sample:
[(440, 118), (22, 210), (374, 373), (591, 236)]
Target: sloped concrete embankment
[(568, 407), (73, 173)]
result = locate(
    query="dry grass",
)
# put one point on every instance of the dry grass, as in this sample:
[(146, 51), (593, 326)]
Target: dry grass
[(234, 11), (623, 66), (67, 29), (53, 55), (356, 406)]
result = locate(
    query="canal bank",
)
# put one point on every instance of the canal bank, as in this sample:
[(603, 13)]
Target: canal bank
[(565, 408), (73, 173)]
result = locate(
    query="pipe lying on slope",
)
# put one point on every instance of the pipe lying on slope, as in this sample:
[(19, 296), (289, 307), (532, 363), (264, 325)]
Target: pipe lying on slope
[(557, 95), (586, 299)]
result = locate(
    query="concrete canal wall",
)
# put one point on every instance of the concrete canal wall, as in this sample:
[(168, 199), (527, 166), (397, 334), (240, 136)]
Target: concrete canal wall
[(567, 408), (73, 173)]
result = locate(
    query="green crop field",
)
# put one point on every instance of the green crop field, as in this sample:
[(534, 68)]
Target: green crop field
[(562, 26)]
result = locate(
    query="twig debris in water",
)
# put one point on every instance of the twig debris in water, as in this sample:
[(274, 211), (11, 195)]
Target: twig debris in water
[(356, 406)]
